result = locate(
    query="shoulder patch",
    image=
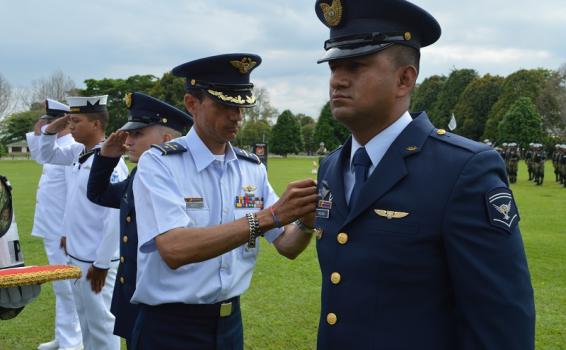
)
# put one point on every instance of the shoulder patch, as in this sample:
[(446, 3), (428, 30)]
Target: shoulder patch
[(250, 157), (169, 148), (501, 209), (458, 141)]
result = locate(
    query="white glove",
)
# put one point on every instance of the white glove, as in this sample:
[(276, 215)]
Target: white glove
[(16, 297)]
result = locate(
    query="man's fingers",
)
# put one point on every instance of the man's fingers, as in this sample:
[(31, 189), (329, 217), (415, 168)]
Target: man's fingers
[(302, 183)]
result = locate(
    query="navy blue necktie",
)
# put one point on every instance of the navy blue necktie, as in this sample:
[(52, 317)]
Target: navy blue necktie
[(361, 163)]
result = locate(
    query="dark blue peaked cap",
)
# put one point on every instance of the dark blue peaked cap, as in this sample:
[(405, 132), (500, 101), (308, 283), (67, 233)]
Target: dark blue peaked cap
[(363, 27), (225, 78), (145, 110)]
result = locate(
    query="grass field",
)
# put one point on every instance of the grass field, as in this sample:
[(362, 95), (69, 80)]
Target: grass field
[(281, 307)]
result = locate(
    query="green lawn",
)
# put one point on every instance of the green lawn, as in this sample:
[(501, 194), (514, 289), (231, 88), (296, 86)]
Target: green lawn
[(281, 307)]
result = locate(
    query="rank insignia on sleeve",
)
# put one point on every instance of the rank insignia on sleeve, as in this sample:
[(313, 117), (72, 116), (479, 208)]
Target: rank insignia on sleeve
[(501, 208)]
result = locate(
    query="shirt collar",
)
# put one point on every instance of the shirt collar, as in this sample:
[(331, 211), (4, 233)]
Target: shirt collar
[(202, 156), (379, 144)]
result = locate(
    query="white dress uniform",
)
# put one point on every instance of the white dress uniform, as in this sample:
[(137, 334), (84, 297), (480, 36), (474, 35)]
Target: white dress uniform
[(195, 189), (47, 224), (92, 233)]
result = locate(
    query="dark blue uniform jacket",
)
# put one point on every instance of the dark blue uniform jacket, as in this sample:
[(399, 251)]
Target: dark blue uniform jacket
[(119, 195), (430, 257)]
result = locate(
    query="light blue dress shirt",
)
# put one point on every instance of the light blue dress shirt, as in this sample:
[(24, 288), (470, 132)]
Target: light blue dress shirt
[(376, 148), (194, 189)]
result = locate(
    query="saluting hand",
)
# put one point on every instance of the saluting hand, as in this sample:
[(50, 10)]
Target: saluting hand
[(97, 278), (38, 125), (115, 145), (58, 125), (298, 201)]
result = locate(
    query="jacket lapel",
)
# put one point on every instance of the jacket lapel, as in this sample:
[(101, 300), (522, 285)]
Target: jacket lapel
[(392, 169), (335, 178)]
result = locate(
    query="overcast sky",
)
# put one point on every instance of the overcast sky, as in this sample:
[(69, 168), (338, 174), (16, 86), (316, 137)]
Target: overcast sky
[(119, 38)]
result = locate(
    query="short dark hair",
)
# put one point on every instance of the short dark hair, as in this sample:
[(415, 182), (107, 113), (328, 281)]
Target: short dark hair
[(196, 93), (404, 56), (102, 117)]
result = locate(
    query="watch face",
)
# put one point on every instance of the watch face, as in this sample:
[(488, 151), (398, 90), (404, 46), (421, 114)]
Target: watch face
[(6, 211)]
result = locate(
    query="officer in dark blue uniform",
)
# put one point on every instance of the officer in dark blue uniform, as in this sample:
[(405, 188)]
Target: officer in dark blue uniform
[(418, 237), (150, 121)]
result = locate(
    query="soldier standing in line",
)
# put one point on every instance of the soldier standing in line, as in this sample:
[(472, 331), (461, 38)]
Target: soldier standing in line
[(538, 160)]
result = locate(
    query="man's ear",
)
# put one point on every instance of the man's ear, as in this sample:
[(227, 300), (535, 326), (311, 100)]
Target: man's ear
[(190, 103), (407, 80), (167, 137)]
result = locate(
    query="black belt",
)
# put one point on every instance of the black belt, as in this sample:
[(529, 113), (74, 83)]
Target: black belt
[(88, 261), (221, 309)]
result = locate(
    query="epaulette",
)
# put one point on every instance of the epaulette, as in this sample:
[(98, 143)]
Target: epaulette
[(169, 148), (458, 141), (250, 157)]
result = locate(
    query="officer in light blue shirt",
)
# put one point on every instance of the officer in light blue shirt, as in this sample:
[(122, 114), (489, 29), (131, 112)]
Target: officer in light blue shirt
[(202, 204)]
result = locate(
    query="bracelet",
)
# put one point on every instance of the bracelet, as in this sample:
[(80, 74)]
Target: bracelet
[(48, 133), (304, 228), (275, 218), (253, 224)]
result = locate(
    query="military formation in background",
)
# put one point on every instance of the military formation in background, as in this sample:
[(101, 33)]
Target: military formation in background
[(535, 157)]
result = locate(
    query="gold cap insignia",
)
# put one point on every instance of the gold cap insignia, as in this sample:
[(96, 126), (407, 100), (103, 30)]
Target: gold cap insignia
[(128, 99), (390, 214), (441, 132), (193, 82), (411, 148), (249, 188), (245, 65), (332, 13), (407, 36)]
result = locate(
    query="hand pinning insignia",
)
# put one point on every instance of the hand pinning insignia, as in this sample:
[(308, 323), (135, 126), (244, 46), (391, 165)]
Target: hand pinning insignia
[(501, 208)]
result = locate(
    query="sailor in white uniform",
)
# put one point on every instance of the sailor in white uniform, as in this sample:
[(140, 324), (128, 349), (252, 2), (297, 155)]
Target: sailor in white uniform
[(49, 208), (91, 230)]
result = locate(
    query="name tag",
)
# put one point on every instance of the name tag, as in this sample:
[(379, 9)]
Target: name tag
[(322, 213), (194, 202)]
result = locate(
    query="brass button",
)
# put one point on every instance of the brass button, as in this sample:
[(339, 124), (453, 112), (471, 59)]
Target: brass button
[(335, 278), (128, 219), (122, 280), (342, 238), (331, 319), (441, 132), (125, 239), (318, 233), (122, 259)]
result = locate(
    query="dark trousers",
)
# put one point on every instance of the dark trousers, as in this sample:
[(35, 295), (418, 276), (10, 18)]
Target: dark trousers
[(188, 327)]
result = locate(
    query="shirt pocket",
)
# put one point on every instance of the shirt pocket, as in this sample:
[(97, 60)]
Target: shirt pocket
[(198, 217), (244, 251)]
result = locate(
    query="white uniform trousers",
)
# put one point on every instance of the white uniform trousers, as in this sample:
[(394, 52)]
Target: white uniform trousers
[(67, 326), (97, 322)]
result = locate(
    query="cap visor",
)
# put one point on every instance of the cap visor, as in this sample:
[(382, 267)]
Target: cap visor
[(337, 53), (133, 126)]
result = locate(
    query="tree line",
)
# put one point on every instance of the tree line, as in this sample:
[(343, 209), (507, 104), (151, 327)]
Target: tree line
[(526, 106)]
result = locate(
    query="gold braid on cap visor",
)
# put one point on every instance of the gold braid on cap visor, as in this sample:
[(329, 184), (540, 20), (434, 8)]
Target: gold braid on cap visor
[(238, 100)]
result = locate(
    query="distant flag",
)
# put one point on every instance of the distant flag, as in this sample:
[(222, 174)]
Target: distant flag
[(452, 124)]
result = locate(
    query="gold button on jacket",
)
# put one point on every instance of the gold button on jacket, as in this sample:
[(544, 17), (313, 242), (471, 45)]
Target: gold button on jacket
[(331, 318), (335, 278), (342, 238), (125, 239)]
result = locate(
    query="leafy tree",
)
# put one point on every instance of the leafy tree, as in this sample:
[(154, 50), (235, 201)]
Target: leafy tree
[(116, 89), (450, 94), (329, 130), (56, 86), (308, 137), (170, 89), (14, 127), (425, 95), (253, 131), (5, 95), (305, 119), (523, 83), (475, 103), (521, 124), (551, 103), (286, 135), (263, 108)]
